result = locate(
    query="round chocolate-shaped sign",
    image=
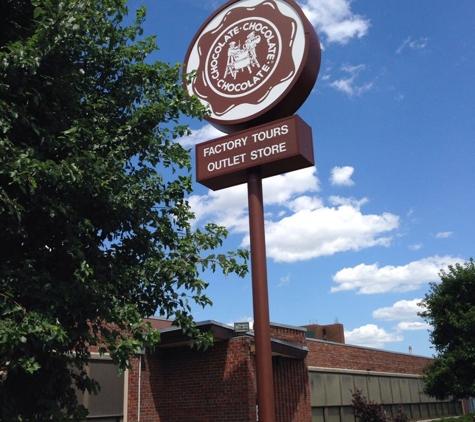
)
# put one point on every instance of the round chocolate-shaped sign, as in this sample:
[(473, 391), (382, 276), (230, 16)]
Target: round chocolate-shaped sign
[(255, 60)]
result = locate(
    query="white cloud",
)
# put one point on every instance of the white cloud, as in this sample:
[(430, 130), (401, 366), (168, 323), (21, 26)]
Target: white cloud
[(370, 279), (311, 233), (299, 226), (348, 84), (335, 20), (340, 200), (303, 203), (282, 188), (418, 44), (404, 310), (371, 335), (413, 326), (415, 247), (342, 176), (206, 133), (443, 235), (284, 280), (228, 207)]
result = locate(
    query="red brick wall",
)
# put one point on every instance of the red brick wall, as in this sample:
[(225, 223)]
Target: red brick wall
[(186, 385), (180, 384), (152, 381), (292, 390), (291, 383), (333, 355), (332, 332), (289, 334)]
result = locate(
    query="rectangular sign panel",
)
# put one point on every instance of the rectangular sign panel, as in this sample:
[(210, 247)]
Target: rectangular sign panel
[(278, 147)]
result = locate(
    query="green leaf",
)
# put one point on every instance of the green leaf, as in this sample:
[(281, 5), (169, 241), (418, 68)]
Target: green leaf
[(93, 201), (449, 308)]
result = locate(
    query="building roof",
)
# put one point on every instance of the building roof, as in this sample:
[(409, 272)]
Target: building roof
[(174, 337)]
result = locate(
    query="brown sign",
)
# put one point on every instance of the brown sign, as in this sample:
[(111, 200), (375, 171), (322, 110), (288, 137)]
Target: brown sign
[(256, 61), (279, 147)]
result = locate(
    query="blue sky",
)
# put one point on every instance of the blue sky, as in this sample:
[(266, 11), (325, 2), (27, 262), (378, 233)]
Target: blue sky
[(357, 238)]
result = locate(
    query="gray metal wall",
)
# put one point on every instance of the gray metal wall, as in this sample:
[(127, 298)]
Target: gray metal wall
[(108, 405), (331, 395)]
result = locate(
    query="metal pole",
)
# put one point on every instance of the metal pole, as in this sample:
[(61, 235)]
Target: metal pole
[(260, 298), (139, 392)]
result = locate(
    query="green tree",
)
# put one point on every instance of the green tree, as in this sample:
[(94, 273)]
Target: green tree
[(450, 310), (94, 223)]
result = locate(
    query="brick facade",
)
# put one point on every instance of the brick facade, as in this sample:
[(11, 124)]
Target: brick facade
[(186, 385), (291, 383), (332, 332), (292, 391), (180, 384), (344, 356)]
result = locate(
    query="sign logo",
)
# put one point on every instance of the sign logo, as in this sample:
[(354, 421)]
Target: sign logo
[(233, 69), (250, 56)]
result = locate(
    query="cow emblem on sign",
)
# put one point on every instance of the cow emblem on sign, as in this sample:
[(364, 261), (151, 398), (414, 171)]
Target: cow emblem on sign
[(241, 58)]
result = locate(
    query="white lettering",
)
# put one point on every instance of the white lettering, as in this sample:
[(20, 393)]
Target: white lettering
[(270, 133), (260, 28), (225, 146), (268, 151), (226, 162)]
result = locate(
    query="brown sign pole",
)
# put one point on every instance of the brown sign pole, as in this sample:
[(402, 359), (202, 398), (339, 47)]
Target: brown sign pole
[(265, 384), (255, 63)]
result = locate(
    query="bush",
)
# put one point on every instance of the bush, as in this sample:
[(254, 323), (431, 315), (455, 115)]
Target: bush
[(370, 411), (400, 416)]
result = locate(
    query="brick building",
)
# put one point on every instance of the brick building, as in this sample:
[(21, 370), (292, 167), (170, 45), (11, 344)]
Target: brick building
[(314, 374)]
